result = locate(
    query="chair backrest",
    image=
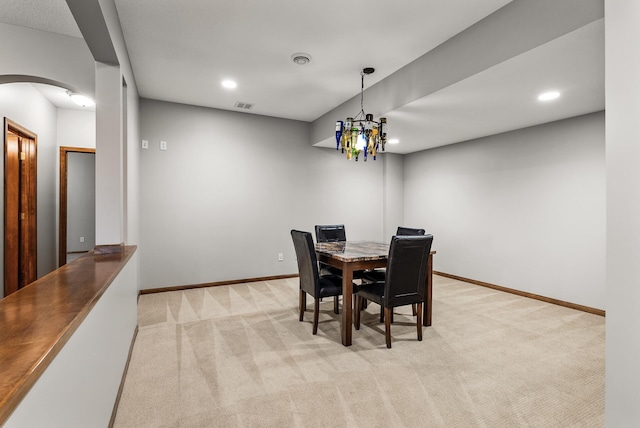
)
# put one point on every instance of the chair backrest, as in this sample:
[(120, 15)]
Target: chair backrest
[(330, 233), (408, 231), (307, 261), (407, 270)]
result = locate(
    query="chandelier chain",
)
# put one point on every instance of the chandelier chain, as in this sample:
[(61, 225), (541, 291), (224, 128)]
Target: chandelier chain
[(362, 113)]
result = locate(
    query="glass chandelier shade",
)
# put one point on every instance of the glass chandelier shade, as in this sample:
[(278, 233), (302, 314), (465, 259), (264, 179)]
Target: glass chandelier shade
[(361, 134)]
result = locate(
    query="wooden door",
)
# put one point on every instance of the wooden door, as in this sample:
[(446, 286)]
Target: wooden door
[(20, 238)]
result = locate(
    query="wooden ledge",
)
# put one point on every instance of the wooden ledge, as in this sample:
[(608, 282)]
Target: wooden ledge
[(108, 249), (37, 320)]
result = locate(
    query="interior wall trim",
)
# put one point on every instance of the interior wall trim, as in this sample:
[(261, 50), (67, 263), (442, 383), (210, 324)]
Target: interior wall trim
[(124, 376), (576, 306), (215, 284), (551, 300)]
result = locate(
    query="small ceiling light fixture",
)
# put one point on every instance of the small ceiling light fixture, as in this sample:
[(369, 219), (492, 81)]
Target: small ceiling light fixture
[(81, 100), (393, 141), (301, 58), (361, 134), (229, 84), (548, 96)]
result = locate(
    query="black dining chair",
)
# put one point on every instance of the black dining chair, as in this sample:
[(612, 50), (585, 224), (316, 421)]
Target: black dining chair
[(311, 282), (409, 231), (330, 233), (333, 233), (378, 275), (405, 281)]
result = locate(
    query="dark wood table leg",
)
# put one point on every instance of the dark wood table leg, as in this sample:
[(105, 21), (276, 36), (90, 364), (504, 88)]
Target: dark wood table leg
[(347, 305), (426, 310)]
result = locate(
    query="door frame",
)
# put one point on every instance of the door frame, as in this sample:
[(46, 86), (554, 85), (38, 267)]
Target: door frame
[(64, 172)]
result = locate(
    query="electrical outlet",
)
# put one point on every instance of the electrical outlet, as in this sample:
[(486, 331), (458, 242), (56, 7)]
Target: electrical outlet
[(163, 145), (280, 257), (145, 144)]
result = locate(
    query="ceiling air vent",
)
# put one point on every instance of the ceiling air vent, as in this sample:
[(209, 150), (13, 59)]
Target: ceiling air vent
[(243, 105)]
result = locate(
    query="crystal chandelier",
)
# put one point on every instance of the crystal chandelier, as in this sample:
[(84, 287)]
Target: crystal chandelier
[(361, 134)]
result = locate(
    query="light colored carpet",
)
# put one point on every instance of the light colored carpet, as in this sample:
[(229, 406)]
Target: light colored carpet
[(237, 356)]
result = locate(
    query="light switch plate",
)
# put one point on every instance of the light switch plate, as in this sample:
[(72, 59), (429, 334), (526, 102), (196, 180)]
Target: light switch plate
[(145, 144)]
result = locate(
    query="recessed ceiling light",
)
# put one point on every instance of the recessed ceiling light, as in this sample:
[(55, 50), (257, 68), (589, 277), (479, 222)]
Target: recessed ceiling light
[(229, 84), (393, 141), (548, 96)]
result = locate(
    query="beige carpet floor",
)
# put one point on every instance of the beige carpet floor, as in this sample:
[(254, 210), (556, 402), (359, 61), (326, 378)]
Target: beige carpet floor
[(237, 356)]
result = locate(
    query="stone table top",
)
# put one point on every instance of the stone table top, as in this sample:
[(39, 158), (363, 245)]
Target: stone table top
[(353, 251)]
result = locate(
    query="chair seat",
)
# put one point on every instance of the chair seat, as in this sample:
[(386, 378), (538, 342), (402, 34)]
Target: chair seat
[(378, 275), (330, 270), (329, 285), (373, 291)]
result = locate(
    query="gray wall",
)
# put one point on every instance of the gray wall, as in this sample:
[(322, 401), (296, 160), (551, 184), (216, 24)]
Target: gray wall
[(219, 204), (523, 209), (622, 36), (77, 128), (81, 201), (393, 194)]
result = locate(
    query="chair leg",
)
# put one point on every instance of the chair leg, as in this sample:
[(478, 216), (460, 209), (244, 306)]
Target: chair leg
[(419, 321), (413, 309), (387, 325), (356, 315), (336, 306), (316, 313), (382, 316), (303, 304)]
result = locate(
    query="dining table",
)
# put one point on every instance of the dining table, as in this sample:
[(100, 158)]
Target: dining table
[(351, 256)]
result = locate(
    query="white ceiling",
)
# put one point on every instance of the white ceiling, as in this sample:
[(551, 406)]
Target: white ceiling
[(181, 51), (504, 97), (53, 16), (59, 97)]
